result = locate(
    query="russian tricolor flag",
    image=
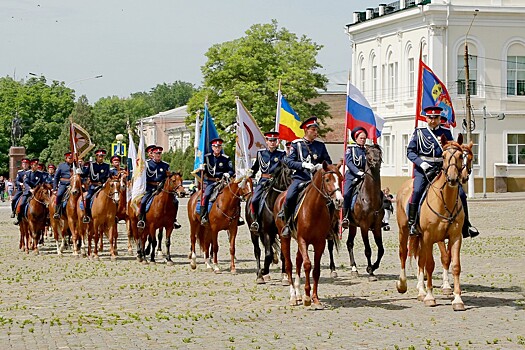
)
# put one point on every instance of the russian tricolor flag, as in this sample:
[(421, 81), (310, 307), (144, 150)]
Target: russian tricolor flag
[(359, 113)]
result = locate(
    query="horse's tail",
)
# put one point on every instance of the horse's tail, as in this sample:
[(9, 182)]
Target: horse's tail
[(414, 245), (201, 235)]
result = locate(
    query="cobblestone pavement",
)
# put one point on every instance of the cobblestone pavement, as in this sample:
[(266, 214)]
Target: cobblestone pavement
[(47, 302)]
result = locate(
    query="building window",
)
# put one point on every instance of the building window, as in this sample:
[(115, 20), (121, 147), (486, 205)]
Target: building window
[(475, 148), (516, 148), (363, 79), (392, 81), (473, 75), (516, 75), (374, 83), (185, 141), (388, 149), (405, 139), (411, 77)]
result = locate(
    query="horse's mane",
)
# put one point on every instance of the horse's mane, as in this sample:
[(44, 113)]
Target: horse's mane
[(282, 178)]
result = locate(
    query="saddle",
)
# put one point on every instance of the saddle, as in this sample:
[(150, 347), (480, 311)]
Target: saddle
[(95, 194), (425, 193), (213, 196)]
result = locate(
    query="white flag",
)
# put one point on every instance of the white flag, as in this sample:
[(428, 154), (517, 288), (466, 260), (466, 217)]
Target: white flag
[(139, 171), (132, 161), (249, 140)]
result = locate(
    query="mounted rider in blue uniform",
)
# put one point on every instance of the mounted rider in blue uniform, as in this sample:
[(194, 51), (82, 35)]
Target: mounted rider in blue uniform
[(51, 169), (32, 178), (19, 185), (355, 160), (61, 181), (217, 165), (426, 152), (306, 155), (98, 173), (266, 162)]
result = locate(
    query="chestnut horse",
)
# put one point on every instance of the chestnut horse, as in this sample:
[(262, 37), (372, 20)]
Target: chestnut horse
[(368, 213), (320, 206), (223, 215), (162, 214), (68, 220), (104, 211), (268, 233), (441, 217), (32, 225)]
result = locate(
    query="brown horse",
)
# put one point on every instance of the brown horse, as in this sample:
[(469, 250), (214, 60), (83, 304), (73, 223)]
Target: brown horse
[(223, 215), (320, 205), (441, 218), (368, 212), (162, 214), (32, 225), (68, 221), (103, 211)]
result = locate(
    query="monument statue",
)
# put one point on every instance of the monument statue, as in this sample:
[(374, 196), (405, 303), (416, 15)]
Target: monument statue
[(16, 131)]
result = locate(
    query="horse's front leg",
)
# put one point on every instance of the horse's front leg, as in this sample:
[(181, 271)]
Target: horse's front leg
[(455, 248), (287, 261), (268, 256), (112, 228), (307, 264), (257, 254), (333, 273), (96, 234), (169, 231), (233, 237), (378, 239), (153, 245), (445, 263), (350, 246), (297, 281), (194, 229), (368, 254), (160, 236), (130, 237), (318, 253), (401, 284), (215, 252), (429, 299)]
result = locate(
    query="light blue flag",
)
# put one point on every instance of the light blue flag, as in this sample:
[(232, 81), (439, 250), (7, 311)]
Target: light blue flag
[(208, 133)]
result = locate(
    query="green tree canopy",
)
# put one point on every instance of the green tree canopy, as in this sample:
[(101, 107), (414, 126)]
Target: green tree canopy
[(251, 67)]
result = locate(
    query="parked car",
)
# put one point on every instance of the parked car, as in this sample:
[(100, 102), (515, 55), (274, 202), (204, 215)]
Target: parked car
[(189, 188)]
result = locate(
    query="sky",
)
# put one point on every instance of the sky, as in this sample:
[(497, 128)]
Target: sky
[(137, 44)]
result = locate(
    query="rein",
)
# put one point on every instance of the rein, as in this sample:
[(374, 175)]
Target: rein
[(234, 194), (322, 191)]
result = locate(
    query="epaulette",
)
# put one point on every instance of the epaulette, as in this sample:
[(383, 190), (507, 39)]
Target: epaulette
[(421, 127), (226, 156), (21, 170), (320, 141), (165, 162), (207, 154), (296, 140)]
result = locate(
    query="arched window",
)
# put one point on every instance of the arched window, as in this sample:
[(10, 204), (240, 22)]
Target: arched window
[(516, 70), (391, 76), (362, 73), (374, 77), (410, 71)]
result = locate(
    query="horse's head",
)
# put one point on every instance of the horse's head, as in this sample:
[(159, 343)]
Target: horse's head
[(75, 184), (452, 160), (468, 157), (112, 188), (282, 177), (374, 156), (173, 183), (42, 193), (328, 180), (244, 187)]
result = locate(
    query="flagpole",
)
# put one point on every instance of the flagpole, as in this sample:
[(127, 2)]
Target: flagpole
[(344, 153), (278, 111), (419, 86)]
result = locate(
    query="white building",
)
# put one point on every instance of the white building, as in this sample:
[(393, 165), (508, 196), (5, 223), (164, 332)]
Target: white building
[(168, 129), (386, 42)]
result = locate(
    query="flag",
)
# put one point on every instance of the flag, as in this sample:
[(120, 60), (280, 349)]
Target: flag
[(249, 140), (432, 92), (208, 133), (359, 113), (79, 141), (131, 161), (139, 170), (287, 122)]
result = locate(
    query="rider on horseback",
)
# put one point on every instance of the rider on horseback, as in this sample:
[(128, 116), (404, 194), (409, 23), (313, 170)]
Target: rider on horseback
[(98, 173), (51, 169), (32, 178), (217, 165), (425, 151), (267, 161), (306, 155), (61, 181), (355, 160), (19, 182)]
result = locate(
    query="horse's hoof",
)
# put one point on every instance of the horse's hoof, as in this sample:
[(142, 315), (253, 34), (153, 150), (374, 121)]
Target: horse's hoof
[(267, 278), (447, 291), (430, 302), (333, 274), (421, 297), (317, 306), (217, 271), (139, 259), (130, 252), (293, 301), (372, 278), (401, 287), (153, 262), (193, 265), (458, 307), (260, 280), (233, 272), (285, 281), (307, 301), (354, 274), (169, 263), (113, 258), (189, 255), (144, 262)]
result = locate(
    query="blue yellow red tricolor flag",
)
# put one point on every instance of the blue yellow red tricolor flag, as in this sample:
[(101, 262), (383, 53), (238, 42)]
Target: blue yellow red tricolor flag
[(287, 121), (432, 92)]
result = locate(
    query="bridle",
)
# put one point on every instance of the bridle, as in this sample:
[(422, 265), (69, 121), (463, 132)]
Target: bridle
[(169, 180), (327, 195)]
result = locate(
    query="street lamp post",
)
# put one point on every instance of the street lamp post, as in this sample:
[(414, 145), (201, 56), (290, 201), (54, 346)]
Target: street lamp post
[(500, 116), (79, 80)]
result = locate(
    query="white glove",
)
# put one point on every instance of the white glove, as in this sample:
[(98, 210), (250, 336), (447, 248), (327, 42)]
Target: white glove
[(425, 166), (308, 166), (226, 176), (318, 167), (79, 171), (360, 173)]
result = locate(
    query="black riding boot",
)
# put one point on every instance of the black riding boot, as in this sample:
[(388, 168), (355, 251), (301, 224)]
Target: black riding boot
[(254, 227), (468, 230), (18, 219), (345, 223), (87, 215), (412, 212), (286, 217), (204, 215), (57, 212), (142, 220)]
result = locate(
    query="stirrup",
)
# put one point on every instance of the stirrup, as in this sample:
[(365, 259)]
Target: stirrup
[(286, 231), (240, 222), (204, 220), (13, 215), (413, 230), (56, 216), (473, 232), (254, 227), (345, 223), (176, 225), (141, 224), (86, 219)]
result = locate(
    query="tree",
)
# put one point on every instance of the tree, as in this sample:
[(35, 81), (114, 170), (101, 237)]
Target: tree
[(164, 96), (251, 68)]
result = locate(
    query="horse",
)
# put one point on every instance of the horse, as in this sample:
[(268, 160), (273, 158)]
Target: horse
[(441, 217), (32, 225), (104, 210), (162, 214), (68, 221), (223, 215), (268, 230), (122, 213), (367, 213), (315, 216)]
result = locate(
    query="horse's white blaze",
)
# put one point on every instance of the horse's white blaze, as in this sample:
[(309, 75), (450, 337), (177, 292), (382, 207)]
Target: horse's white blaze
[(338, 194)]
